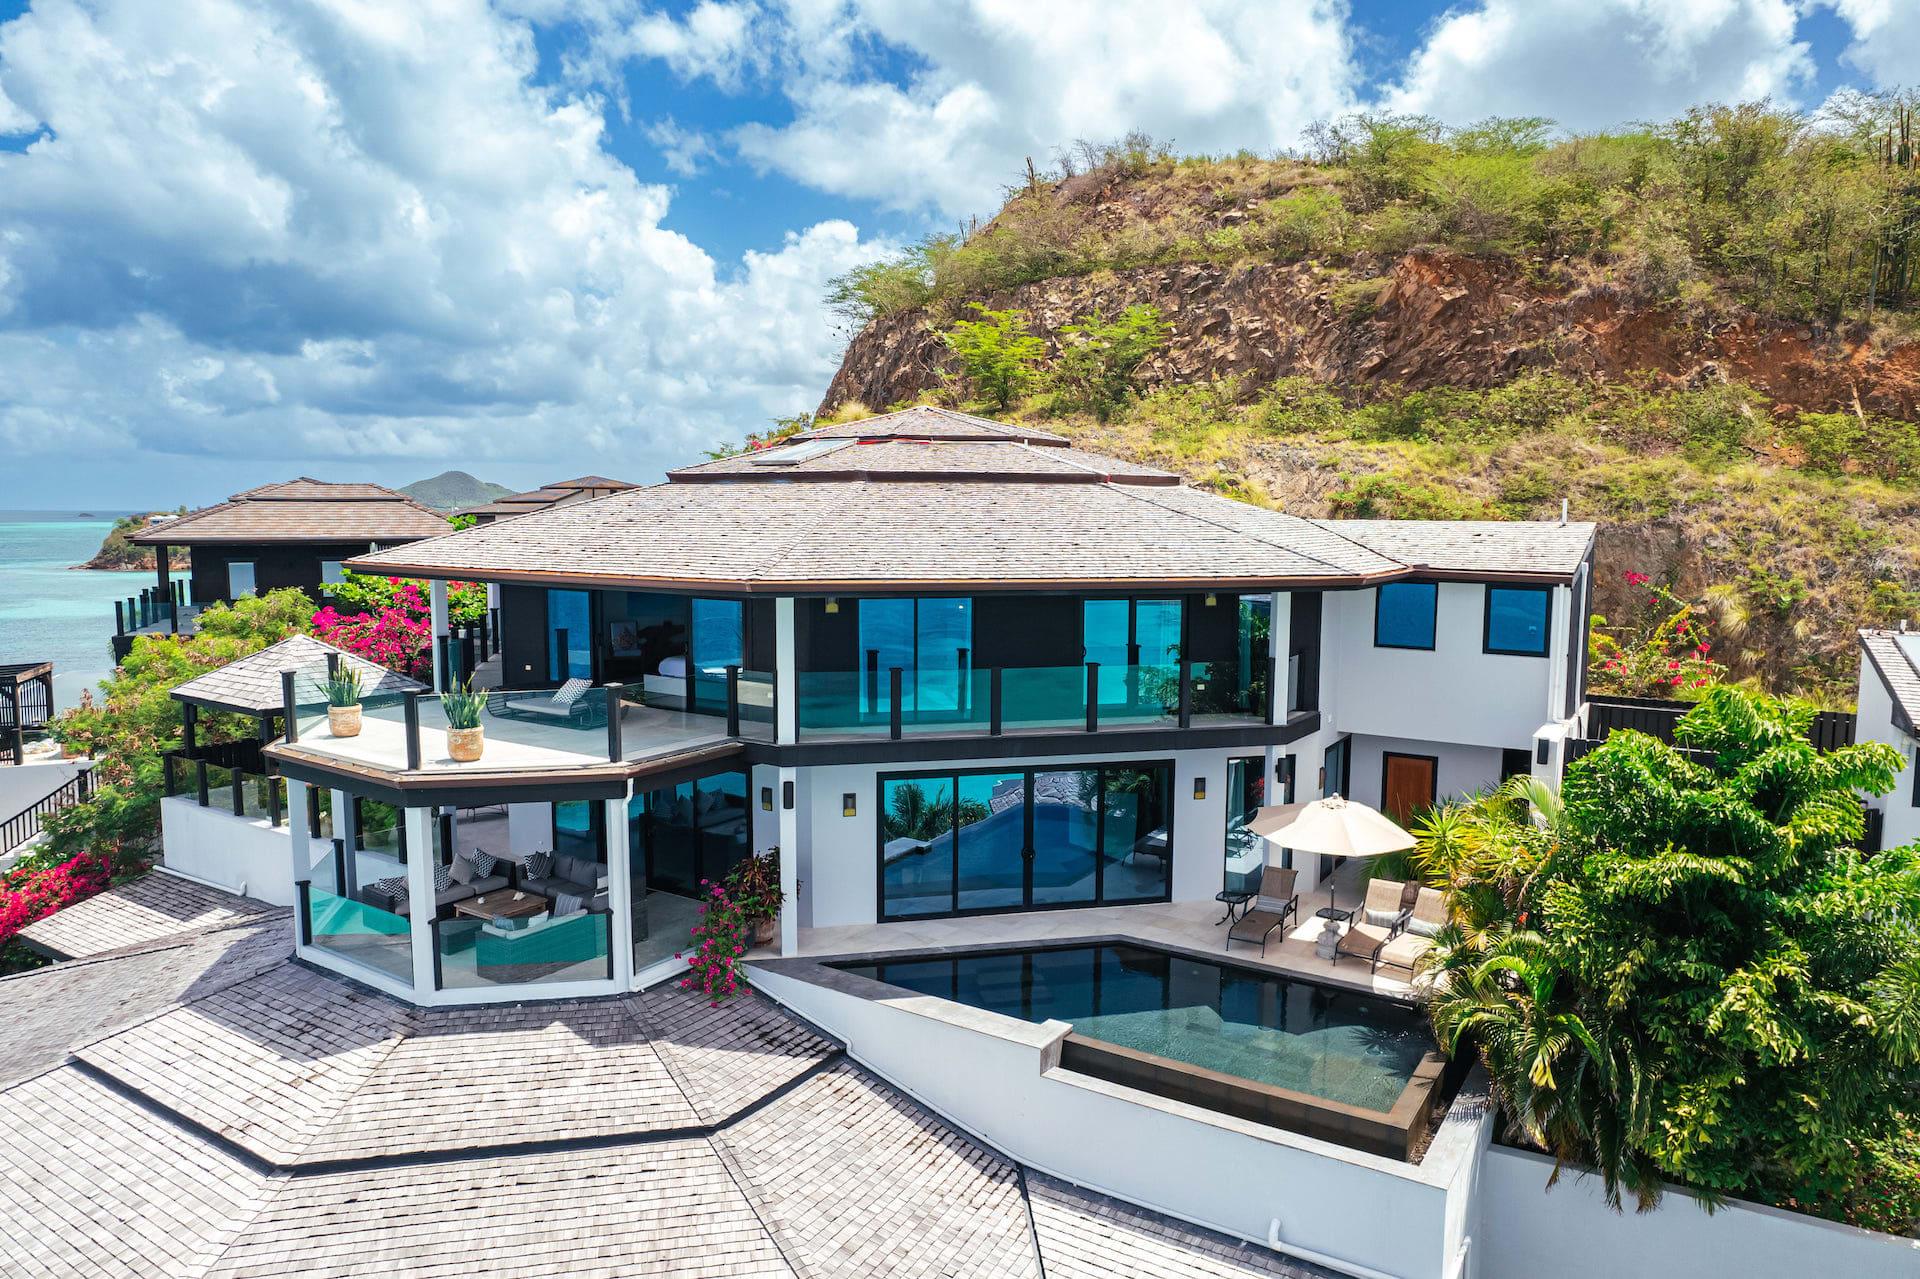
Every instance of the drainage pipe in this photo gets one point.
(1345, 1267)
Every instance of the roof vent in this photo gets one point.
(792, 453)
(1564, 503)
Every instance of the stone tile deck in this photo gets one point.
(151, 908)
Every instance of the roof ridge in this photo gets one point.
(1140, 492)
(1324, 526)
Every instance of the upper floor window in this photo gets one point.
(1517, 620)
(331, 574)
(1403, 614)
(240, 579)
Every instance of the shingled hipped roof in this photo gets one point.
(251, 685)
(1490, 547)
(925, 422)
(1895, 657)
(958, 460)
(574, 490)
(302, 510)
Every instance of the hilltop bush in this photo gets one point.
(999, 356)
(1098, 358)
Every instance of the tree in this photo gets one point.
(998, 356)
(1693, 974)
(1098, 357)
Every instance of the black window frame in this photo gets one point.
(1379, 594)
(1546, 621)
(1028, 771)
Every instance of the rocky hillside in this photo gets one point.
(1742, 429)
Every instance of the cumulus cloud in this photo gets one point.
(1592, 64)
(1886, 39)
(329, 228)
(686, 151)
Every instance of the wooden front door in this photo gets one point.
(1407, 785)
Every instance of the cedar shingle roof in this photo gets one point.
(1895, 657)
(251, 684)
(1474, 546)
(924, 422)
(302, 510)
(154, 906)
(546, 495)
(905, 534)
(590, 482)
(958, 460)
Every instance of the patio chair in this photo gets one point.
(569, 704)
(1272, 907)
(1429, 917)
(1380, 920)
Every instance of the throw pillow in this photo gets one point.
(1382, 918)
(1274, 905)
(462, 870)
(1423, 927)
(570, 692)
(483, 863)
(568, 904)
(395, 889)
(442, 878)
(536, 866)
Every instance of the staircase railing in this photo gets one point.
(23, 825)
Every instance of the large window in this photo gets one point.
(990, 840)
(931, 641)
(1246, 795)
(1517, 620)
(1403, 615)
(240, 580)
(570, 635)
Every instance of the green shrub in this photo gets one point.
(998, 356)
(1098, 358)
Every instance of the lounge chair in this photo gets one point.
(1379, 921)
(572, 703)
(1272, 907)
(1429, 917)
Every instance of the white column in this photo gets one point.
(349, 841)
(1279, 633)
(1561, 625)
(786, 800)
(420, 864)
(437, 607)
(620, 890)
(786, 673)
(300, 850)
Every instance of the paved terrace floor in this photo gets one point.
(203, 1106)
(1193, 925)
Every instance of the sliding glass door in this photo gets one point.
(996, 840)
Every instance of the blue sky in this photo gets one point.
(243, 239)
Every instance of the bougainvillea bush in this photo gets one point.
(34, 893)
(372, 592)
(1663, 647)
(724, 931)
(389, 621)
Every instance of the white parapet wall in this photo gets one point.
(240, 854)
(1526, 1230)
(998, 1078)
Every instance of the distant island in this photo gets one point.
(117, 552)
(454, 491)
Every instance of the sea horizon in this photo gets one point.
(52, 609)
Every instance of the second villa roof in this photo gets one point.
(880, 506)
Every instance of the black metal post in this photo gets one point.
(313, 811)
(467, 658)
(873, 680)
(964, 694)
(239, 780)
(433, 928)
(275, 811)
(1186, 694)
(189, 727)
(166, 773)
(484, 654)
(303, 889)
(733, 701)
(339, 866)
(494, 613)
(565, 655)
(119, 618)
(993, 701)
(614, 748)
(200, 769)
(1093, 697)
(413, 731)
(288, 707)
(607, 937)
(893, 701)
(133, 613)
(446, 674)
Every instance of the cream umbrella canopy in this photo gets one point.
(1331, 827)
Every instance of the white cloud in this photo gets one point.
(340, 228)
(1592, 64)
(991, 83)
(686, 151)
(1886, 39)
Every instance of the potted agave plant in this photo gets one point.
(465, 737)
(343, 701)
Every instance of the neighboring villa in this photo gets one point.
(1005, 709)
(1889, 709)
(295, 533)
(578, 489)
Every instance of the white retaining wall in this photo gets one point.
(241, 854)
(1526, 1231)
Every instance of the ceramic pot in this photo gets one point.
(763, 932)
(344, 721)
(464, 744)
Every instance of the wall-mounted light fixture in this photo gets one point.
(846, 805)
(833, 605)
(786, 794)
(1199, 788)
(1212, 599)
(766, 799)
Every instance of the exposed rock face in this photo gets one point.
(1422, 320)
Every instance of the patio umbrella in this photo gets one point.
(1332, 827)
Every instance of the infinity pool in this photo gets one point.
(1341, 1046)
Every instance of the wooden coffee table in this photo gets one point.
(502, 903)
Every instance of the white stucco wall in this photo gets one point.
(838, 858)
(1455, 693)
(1526, 1230)
(1874, 723)
(241, 854)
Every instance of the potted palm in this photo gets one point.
(343, 701)
(465, 737)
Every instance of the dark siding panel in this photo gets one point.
(759, 654)
(1027, 630)
(523, 636)
(1304, 639)
(1213, 634)
(274, 567)
(826, 640)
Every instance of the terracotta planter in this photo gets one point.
(464, 744)
(344, 721)
(763, 932)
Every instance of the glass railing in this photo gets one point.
(348, 916)
(1228, 691)
(952, 702)
(844, 704)
(1043, 697)
(533, 949)
(756, 693)
(1139, 696)
(262, 797)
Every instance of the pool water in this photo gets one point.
(1338, 1045)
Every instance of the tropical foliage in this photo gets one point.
(358, 593)
(1098, 357)
(999, 357)
(1686, 971)
(723, 933)
(1663, 648)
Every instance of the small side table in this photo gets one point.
(1235, 899)
(1334, 913)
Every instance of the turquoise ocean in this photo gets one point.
(51, 612)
